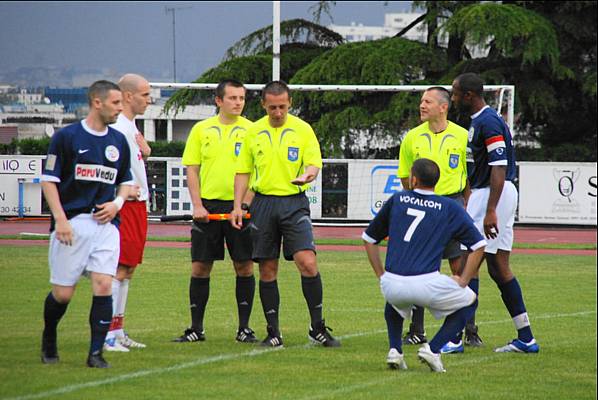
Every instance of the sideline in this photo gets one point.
(254, 353)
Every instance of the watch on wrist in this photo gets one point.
(244, 206)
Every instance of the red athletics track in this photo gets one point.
(522, 235)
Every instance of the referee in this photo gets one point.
(283, 154)
(444, 142)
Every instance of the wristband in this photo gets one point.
(119, 201)
(245, 207)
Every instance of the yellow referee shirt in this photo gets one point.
(446, 148)
(215, 148)
(276, 156)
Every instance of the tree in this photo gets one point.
(546, 49)
(250, 60)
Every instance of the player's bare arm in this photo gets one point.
(63, 228)
(308, 176)
(146, 150)
(108, 210)
(497, 181)
(373, 252)
(241, 185)
(200, 214)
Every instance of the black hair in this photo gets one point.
(426, 171)
(276, 88)
(470, 82)
(100, 89)
(221, 88)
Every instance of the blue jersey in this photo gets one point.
(490, 144)
(419, 224)
(87, 166)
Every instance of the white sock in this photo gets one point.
(121, 305)
(116, 285)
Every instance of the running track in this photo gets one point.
(522, 235)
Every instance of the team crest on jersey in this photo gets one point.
(237, 148)
(293, 154)
(470, 133)
(454, 161)
(112, 153)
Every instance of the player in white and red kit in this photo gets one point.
(133, 227)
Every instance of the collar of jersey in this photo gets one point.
(424, 192)
(91, 131)
(479, 112)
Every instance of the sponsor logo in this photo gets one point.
(384, 182)
(83, 151)
(566, 180)
(470, 133)
(293, 154)
(454, 161)
(51, 162)
(95, 173)
(112, 153)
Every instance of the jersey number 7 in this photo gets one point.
(419, 215)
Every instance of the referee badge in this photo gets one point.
(293, 154)
(454, 161)
(237, 148)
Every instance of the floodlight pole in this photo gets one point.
(276, 40)
(173, 11)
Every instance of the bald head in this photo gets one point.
(130, 82)
(136, 94)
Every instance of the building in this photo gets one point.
(35, 115)
(393, 24)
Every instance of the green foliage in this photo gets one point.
(513, 30)
(291, 31)
(27, 146)
(341, 118)
(9, 148)
(167, 149)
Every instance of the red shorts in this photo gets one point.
(133, 232)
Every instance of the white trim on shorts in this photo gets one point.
(505, 212)
(95, 248)
(438, 292)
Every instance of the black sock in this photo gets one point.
(100, 317)
(312, 291)
(199, 293)
(245, 291)
(270, 298)
(53, 312)
(417, 321)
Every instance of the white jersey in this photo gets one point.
(129, 129)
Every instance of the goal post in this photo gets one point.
(346, 190)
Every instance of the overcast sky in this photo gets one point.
(137, 36)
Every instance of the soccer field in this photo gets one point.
(560, 294)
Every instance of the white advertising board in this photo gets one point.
(371, 183)
(25, 170)
(178, 201)
(557, 193)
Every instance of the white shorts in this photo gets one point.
(505, 212)
(95, 248)
(435, 291)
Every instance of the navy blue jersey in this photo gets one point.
(87, 167)
(418, 225)
(490, 144)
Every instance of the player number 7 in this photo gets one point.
(419, 215)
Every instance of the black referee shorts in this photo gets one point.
(208, 239)
(280, 220)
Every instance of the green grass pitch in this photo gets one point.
(560, 294)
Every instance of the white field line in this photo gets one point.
(258, 352)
